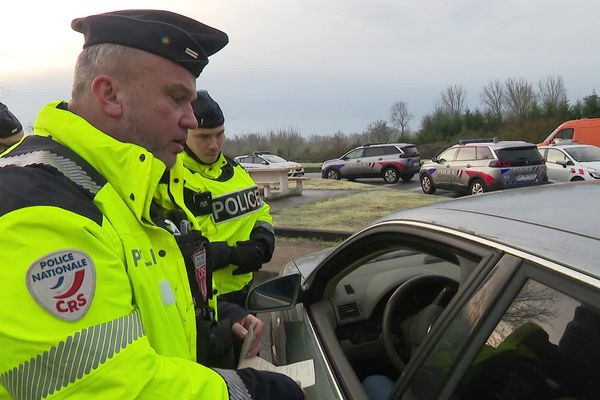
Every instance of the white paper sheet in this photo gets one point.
(302, 371)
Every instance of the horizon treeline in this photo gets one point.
(510, 110)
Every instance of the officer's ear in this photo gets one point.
(105, 89)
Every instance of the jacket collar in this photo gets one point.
(130, 169)
(212, 171)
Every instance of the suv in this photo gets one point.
(391, 162)
(480, 165)
(571, 162)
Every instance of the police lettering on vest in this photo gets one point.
(236, 204)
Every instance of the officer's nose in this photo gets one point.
(188, 120)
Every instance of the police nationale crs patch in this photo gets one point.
(63, 283)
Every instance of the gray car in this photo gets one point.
(472, 298)
(482, 165)
(391, 162)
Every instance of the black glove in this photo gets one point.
(266, 385)
(217, 255)
(248, 255)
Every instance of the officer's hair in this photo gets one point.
(106, 58)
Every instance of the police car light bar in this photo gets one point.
(479, 140)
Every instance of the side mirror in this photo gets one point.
(562, 162)
(279, 293)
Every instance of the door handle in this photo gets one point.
(468, 165)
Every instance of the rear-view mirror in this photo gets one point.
(279, 293)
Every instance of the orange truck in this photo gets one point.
(581, 131)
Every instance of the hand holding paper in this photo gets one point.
(303, 371)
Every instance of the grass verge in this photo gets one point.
(351, 211)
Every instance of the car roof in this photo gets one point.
(565, 146)
(502, 144)
(540, 220)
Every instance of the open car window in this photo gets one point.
(350, 304)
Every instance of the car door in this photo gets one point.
(463, 167)
(339, 321)
(373, 159)
(527, 330)
(353, 164)
(557, 166)
(442, 174)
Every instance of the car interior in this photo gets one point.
(379, 306)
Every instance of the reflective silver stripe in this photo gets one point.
(67, 167)
(70, 360)
(236, 388)
(264, 224)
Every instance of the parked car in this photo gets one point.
(581, 131)
(571, 162)
(473, 298)
(480, 165)
(391, 162)
(265, 159)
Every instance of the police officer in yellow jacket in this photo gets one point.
(227, 205)
(97, 302)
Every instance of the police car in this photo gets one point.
(571, 162)
(266, 159)
(391, 162)
(480, 165)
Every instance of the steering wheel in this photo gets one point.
(412, 330)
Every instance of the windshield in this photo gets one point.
(584, 153)
(273, 158)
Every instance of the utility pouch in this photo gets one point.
(214, 347)
(199, 203)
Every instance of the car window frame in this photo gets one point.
(439, 157)
(480, 150)
(345, 156)
(466, 149)
(322, 283)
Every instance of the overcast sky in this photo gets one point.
(320, 66)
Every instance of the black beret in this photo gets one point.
(9, 124)
(207, 111)
(180, 39)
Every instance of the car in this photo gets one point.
(471, 298)
(265, 159)
(476, 166)
(391, 162)
(571, 162)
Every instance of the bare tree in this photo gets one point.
(493, 97)
(400, 116)
(520, 97)
(287, 142)
(378, 131)
(552, 92)
(453, 99)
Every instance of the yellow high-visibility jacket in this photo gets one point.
(96, 297)
(236, 211)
